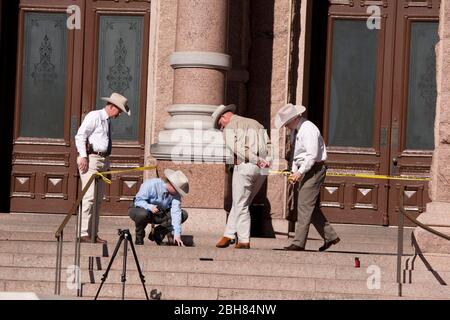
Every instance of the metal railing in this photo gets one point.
(401, 221)
(59, 235)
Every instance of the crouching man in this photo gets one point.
(159, 202)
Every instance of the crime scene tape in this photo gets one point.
(359, 175)
(282, 172)
(108, 181)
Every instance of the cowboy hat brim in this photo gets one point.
(125, 109)
(281, 123)
(220, 111)
(169, 175)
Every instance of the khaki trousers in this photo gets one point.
(308, 207)
(247, 180)
(96, 164)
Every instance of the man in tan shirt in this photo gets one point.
(250, 145)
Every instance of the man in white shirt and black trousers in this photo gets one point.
(308, 173)
(94, 145)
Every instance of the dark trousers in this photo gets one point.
(142, 218)
(308, 208)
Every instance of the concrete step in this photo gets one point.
(216, 220)
(274, 267)
(201, 240)
(135, 291)
(152, 250)
(8, 232)
(49, 260)
(211, 287)
(193, 224)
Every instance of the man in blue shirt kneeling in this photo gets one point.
(159, 202)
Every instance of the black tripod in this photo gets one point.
(125, 234)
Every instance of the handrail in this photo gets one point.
(401, 215)
(419, 224)
(60, 233)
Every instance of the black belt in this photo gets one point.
(101, 154)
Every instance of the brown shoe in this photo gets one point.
(326, 245)
(223, 242)
(241, 245)
(100, 240)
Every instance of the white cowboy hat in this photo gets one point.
(220, 111)
(178, 180)
(287, 113)
(119, 101)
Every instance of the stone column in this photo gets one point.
(437, 213)
(200, 63)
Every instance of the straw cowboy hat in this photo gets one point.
(220, 111)
(178, 180)
(287, 113)
(119, 101)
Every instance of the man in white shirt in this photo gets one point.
(308, 173)
(93, 141)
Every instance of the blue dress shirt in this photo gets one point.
(153, 192)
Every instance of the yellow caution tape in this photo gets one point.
(282, 172)
(359, 175)
(103, 174)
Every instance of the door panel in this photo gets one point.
(43, 162)
(379, 108)
(414, 103)
(116, 55)
(57, 86)
(354, 120)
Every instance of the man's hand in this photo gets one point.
(263, 163)
(178, 241)
(155, 209)
(83, 164)
(295, 177)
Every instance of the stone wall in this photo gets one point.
(437, 213)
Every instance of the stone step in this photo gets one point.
(152, 250)
(315, 259)
(262, 243)
(216, 220)
(196, 215)
(218, 288)
(135, 291)
(190, 266)
(29, 233)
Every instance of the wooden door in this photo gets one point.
(414, 102)
(379, 107)
(44, 173)
(357, 111)
(116, 60)
(62, 74)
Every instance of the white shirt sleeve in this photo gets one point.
(310, 141)
(85, 130)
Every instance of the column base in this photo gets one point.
(207, 183)
(437, 216)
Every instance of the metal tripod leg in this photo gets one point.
(123, 277)
(105, 275)
(141, 275)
